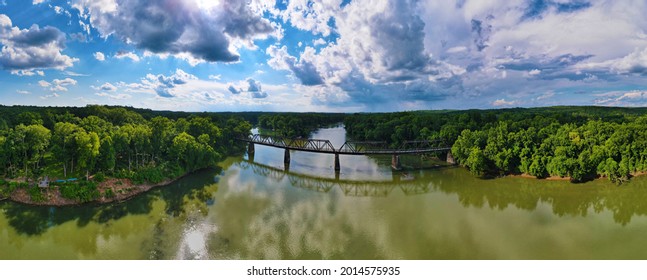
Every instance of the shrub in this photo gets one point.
(99, 177)
(149, 174)
(109, 193)
(81, 191)
(36, 194)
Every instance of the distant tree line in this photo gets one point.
(293, 125)
(581, 143)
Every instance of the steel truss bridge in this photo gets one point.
(347, 187)
(348, 148)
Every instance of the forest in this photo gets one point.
(100, 142)
(579, 143)
(143, 145)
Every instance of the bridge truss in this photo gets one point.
(349, 147)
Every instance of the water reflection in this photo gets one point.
(565, 198)
(35, 220)
(402, 180)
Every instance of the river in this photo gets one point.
(255, 210)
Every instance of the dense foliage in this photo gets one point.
(576, 142)
(115, 141)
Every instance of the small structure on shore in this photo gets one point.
(44, 183)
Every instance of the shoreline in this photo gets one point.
(557, 178)
(123, 190)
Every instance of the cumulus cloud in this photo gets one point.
(304, 70)
(379, 52)
(206, 33)
(423, 52)
(27, 72)
(124, 54)
(163, 85)
(106, 87)
(634, 98)
(57, 85)
(255, 89)
(313, 16)
(233, 89)
(23, 92)
(633, 63)
(35, 2)
(33, 48)
(319, 42)
(504, 103)
(99, 56)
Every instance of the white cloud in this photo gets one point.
(457, 49)
(24, 92)
(164, 86)
(634, 98)
(132, 56)
(304, 70)
(215, 77)
(35, 2)
(120, 96)
(504, 103)
(27, 72)
(99, 56)
(84, 26)
(534, 72)
(205, 33)
(105, 87)
(33, 48)
(53, 95)
(313, 16)
(58, 85)
(319, 42)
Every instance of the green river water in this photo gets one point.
(256, 210)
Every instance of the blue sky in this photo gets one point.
(327, 55)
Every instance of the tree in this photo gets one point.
(476, 162)
(97, 125)
(107, 155)
(88, 146)
(162, 133)
(65, 145)
(37, 138)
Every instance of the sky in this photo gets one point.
(326, 55)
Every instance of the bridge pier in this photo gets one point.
(286, 157)
(250, 151)
(450, 158)
(250, 148)
(337, 165)
(395, 162)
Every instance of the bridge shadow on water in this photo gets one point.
(35, 220)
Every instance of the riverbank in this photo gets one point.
(557, 178)
(112, 190)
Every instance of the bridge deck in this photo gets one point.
(349, 148)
